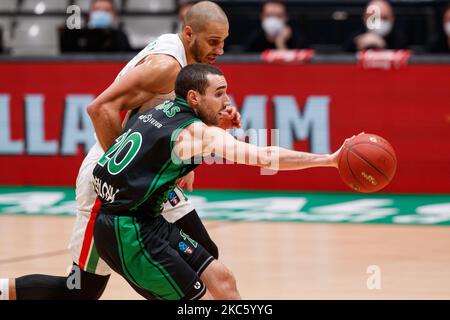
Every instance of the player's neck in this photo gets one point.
(189, 58)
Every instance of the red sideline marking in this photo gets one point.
(88, 236)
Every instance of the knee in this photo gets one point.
(228, 282)
(228, 276)
(220, 281)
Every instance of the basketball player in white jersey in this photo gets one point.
(146, 81)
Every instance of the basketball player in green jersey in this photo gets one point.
(136, 174)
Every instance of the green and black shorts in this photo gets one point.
(156, 258)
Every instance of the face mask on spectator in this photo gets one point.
(272, 26)
(383, 28)
(101, 20)
(447, 29)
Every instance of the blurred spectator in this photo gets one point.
(441, 42)
(102, 33)
(183, 8)
(274, 32)
(379, 29)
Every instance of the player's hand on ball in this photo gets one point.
(367, 162)
(335, 155)
(230, 118)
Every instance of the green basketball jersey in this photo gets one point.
(138, 171)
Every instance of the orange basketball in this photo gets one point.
(367, 163)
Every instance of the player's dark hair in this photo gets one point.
(193, 77)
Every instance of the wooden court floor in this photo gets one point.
(272, 260)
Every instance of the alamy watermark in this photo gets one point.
(73, 21)
(374, 279)
(373, 17)
(74, 279)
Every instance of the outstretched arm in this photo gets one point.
(198, 138)
(225, 145)
(153, 77)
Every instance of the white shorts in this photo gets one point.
(81, 246)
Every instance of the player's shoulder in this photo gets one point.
(160, 61)
(169, 38)
(161, 68)
(169, 44)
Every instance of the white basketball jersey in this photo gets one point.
(169, 44)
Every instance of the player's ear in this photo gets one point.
(193, 98)
(188, 33)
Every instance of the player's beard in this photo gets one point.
(208, 117)
(196, 52)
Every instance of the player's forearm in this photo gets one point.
(107, 123)
(276, 158)
(284, 159)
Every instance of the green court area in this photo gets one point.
(416, 209)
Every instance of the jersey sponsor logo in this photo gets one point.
(187, 238)
(173, 198)
(169, 108)
(184, 247)
(104, 190)
(148, 118)
(197, 285)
